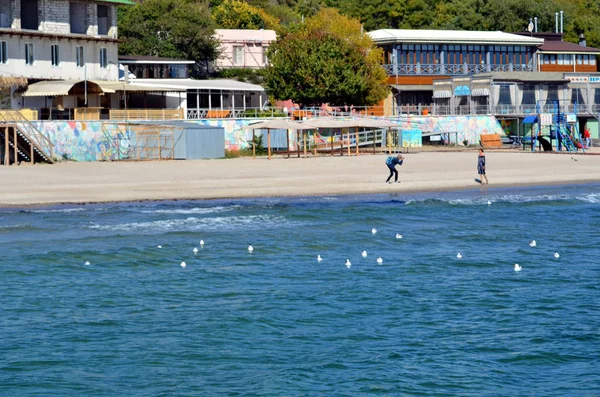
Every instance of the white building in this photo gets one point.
(59, 39)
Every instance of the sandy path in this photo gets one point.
(244, 177)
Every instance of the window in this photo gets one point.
(103, 20)
(238, 55)
(3, 52)
(579, 60)
(79, 56)
(561, 60)
(592, 59)
(29, 58)
(103, 58)
(528, 95)
(29, 14)
(55, 55)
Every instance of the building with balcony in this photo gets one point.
(415, 58)
(556, 55)
(243, 48)
(514, 96)
(60, 40)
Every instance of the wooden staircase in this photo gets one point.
(21, 142)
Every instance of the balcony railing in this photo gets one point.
(452, 69)
(507, 110)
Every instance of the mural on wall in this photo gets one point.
(456, 128)
(86, 140)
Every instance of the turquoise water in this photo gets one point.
(276, 322)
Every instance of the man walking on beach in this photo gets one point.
(481, 167)
(391, 163)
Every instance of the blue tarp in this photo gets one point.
(530, 120)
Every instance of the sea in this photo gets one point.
(94, 300)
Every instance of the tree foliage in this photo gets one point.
(168, 28)
(237, 14)
(326, 59)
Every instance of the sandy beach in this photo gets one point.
(244, 177)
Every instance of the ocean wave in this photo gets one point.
(191, 211)
(78, 209)
(194, 224)
(508, 199)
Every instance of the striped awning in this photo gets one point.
(442, 94)
(480, 92)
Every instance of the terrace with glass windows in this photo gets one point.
(452, 52)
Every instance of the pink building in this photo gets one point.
(243, 48)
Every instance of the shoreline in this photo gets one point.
(425, 172)
(340, 195)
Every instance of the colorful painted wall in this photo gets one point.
(101, 141)
(85, 140)
(460, 127)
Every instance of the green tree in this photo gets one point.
(169, 28)
(236, 14)
(327, 59)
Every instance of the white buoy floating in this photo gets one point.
(398, 236)
(459, 255)
(195, 250)
(87, 263)
(489, 202)
(201, 243)
(379, 261)
(348, 263)
(373, 231)
(250, 248)
(183, 264)
(319, 259)
(518, 267)
(556, 255)
(363, 254)
(532, 243)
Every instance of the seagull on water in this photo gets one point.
(379, 261)
(556, 255)
(319, 259)
(489, 202)
(532, 243)
(250, 248)
(398, 236)
(201, 243)
(159, 246)
(348, 264)
(87, 263)
(363, 254)
(183, 264)
(459, 255)
(374, 231)
(195, 250)
(518, 267)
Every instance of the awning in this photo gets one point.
(442, 94)
(50, 88)
(119, 86)
(413, 87)
(480, 92)
(530, 120)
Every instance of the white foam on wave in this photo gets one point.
(78, 209)
(194, 224)
(508, 199)
(192, 211)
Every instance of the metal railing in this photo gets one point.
(527, 109)
(37, 139)
(453, 69)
